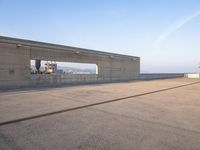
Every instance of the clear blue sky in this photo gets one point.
(165, 34)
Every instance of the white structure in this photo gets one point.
(192, 75)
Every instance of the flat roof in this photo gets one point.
(158, 114)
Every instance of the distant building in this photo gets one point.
(79, 72)
(51, 67)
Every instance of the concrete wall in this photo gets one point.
(16, 55)
(152, 76)
(63, 79)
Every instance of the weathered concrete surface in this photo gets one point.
(16, 55)
(167, 120)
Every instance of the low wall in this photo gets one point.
(153, 76)
(192, 75)
(68, 79)
(61, 79)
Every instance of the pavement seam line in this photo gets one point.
(90, 105)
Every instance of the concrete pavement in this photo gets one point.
(163, 120)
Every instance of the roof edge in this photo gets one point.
(6, 39)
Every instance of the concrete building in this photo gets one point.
(50, 67)
(15, 56)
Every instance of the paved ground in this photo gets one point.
(163, 120)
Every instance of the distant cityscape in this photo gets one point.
(70, 70)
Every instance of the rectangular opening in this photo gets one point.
(55, 67)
